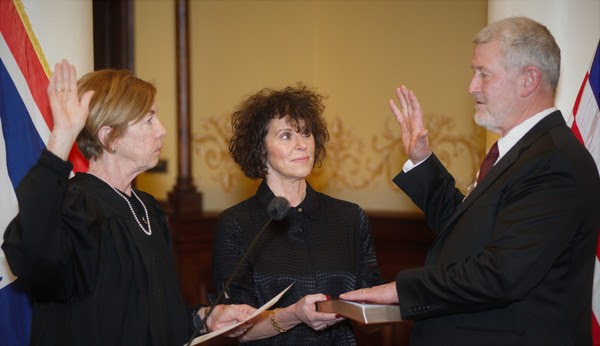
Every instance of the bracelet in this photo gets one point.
(275, 324)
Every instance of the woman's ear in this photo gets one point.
(103, 136)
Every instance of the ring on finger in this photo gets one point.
(58, 90)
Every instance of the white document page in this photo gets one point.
(212, 334)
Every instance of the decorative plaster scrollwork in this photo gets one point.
(212, 148)
(454, 148)
(346, 165)
(350, 164)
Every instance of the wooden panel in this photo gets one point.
(113, 34)
(401, 242)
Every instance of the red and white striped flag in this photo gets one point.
(586, 127)
(25, 124)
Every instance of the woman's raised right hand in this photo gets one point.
(69, 112)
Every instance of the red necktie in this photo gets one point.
(488, 162)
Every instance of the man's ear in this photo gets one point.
(531, 78)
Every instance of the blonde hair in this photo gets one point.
(120, 98)
(525, 42)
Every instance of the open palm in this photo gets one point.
(410, 118)
(69, 112)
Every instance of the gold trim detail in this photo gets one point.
(34, 42)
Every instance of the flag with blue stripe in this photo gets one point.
(25, 123)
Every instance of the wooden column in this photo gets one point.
(113, 34)
(184, 201)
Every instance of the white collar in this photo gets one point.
(508, 141)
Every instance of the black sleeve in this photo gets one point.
(39, 241)
(229, 247)
(368, 269)
(432, 188)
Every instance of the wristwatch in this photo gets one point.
(198, 322)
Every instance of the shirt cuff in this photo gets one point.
(408, 165)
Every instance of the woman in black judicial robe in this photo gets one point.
(95, 253)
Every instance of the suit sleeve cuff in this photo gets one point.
(55, 163)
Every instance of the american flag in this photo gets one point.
(25, 124)
(586, 127)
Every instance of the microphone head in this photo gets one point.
(278, 208)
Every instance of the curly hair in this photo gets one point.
(119, 99)
(250, 124)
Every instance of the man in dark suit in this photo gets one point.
(512, 262)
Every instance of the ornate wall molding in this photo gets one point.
(351, 164)
(211, 147)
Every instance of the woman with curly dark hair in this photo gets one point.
(324, 245)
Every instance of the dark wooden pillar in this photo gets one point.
(113, 34)
(184, 201)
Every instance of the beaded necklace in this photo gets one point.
(149, 231)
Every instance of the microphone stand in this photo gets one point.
(275, 212)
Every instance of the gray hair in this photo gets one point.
(525, 42)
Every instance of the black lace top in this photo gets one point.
(323, 246)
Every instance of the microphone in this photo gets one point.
(277, 210)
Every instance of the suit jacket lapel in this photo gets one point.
(552, 120)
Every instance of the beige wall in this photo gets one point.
(354, 51)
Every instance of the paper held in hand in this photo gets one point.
(364, 313)
(212, 334)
